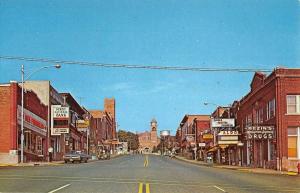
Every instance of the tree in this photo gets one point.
(129, 137)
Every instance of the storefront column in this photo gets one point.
(248, 153)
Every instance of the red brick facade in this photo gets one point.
(269, 153)
(149, 140)
(35, 119)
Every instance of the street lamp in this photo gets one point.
(22, 103)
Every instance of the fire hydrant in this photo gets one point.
(298, 166)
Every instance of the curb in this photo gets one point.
(249, 170)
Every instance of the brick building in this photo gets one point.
(49, 96)
(200, 127)
(190, 133)
(35, 125)
(103, 128)
(269, 119)
(149, 140)
(75, 139)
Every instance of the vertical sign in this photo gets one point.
(59, 119)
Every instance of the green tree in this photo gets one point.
(129, 137)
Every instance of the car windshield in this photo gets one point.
(149, 96)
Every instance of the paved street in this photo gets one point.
(138, 174)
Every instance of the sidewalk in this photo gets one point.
(239, 168)
(33, 164)
(53, 163)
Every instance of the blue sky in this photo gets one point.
(229, 34)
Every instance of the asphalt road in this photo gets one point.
(140, 174)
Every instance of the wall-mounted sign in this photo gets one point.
(215, 122)
(59, 120)
(32, 121)
(227, 142)
(260, 132)
(228, 138)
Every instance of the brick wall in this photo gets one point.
(5, 106)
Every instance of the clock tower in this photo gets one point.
(153, 132)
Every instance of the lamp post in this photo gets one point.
(22, 103)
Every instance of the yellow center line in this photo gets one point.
(146, 161)
(141, 188)
(147, 188)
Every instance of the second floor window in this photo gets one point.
(293, 104)
(271, 109)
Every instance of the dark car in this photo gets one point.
(76, 156)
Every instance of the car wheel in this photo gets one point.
(66, 161)
(86, 161)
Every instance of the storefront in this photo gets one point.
(35, 135)
(229, 147)
(260, 146)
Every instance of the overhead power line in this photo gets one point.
(131, 66)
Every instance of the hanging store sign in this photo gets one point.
(260, 132)
(208, 136)
(202, 144)
(82, 125)
(59, 120)
(222, 122)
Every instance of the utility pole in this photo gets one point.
(22, 116)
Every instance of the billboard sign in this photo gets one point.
(216, 122)
(59, 119)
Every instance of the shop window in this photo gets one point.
(294, 143)
(39, 145)
(293, 104)
(27, 140)
(271, 109)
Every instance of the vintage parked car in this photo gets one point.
(76, 156)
